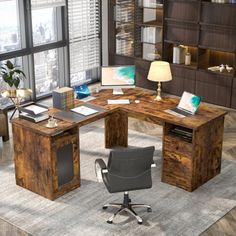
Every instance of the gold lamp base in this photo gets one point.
(158, 97)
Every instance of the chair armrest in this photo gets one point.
(100, 169)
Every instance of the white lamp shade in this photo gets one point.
(160, 71)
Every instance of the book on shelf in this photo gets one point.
(151, 35)
(182, 132)
(151, 3)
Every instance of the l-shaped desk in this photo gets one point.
(47, 161)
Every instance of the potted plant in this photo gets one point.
(11, 75)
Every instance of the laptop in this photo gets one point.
(187, 106)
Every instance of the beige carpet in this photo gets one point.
(175, 211)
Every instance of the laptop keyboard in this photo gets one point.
(181, 112)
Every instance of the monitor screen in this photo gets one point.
(118, 76)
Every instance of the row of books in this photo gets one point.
(182, 132)
(63, 98)
(150, 3)
(151, 35)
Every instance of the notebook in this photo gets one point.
(187, 106)
(84, 110)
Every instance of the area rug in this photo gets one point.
(175, 211)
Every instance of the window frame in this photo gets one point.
(28, 49)
(27, 52)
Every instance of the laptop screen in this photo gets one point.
(189, 102)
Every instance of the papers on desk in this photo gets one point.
(34, 118)
(83, 110)
(33, 109)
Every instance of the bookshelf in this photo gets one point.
(205, 29)
(136, 35)
(208, 30)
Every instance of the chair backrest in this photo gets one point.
(129, 169)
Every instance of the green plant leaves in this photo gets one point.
(9, 65)
(19, 72)
(16, 82)
(11, 75)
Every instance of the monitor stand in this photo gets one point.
(117, 91)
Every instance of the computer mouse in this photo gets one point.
(137, 101)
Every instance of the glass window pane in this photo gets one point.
(44, 23)
(46, 71)
(9, 26)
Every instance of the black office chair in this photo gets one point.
(127, 169)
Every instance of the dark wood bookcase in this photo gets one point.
(131, 22)
(205, 28)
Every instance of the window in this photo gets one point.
(44, 28)
(9, 27)
(47, 38)
(35, 33)
(84, 40)
(46, 71)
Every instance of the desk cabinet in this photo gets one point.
(190, 163)
(47, 165)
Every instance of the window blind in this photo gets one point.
(38, 4)
(84, 30)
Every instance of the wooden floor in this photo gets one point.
(226, 226)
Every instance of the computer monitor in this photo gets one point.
(118, 77)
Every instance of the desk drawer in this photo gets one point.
(177, 170)
(178, 145)
(177, 166)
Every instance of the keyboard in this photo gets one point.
(87, 99)
(181, 112)
(117, 101)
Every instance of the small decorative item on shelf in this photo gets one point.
(160, 72)
(221, 68)
(220, 1)
(228, 68)
(179, 54)
(187, 59)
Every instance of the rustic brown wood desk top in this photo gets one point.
(153, 110)
(148, 109)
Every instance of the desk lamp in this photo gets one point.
(159, 71)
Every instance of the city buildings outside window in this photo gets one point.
(33, 35)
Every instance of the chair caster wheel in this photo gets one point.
(104, 207)
(149, 209)
(140, 222)
(109, 221)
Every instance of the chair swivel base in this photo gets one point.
(128, 207)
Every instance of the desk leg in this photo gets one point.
(116, 129)
(6, 136)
